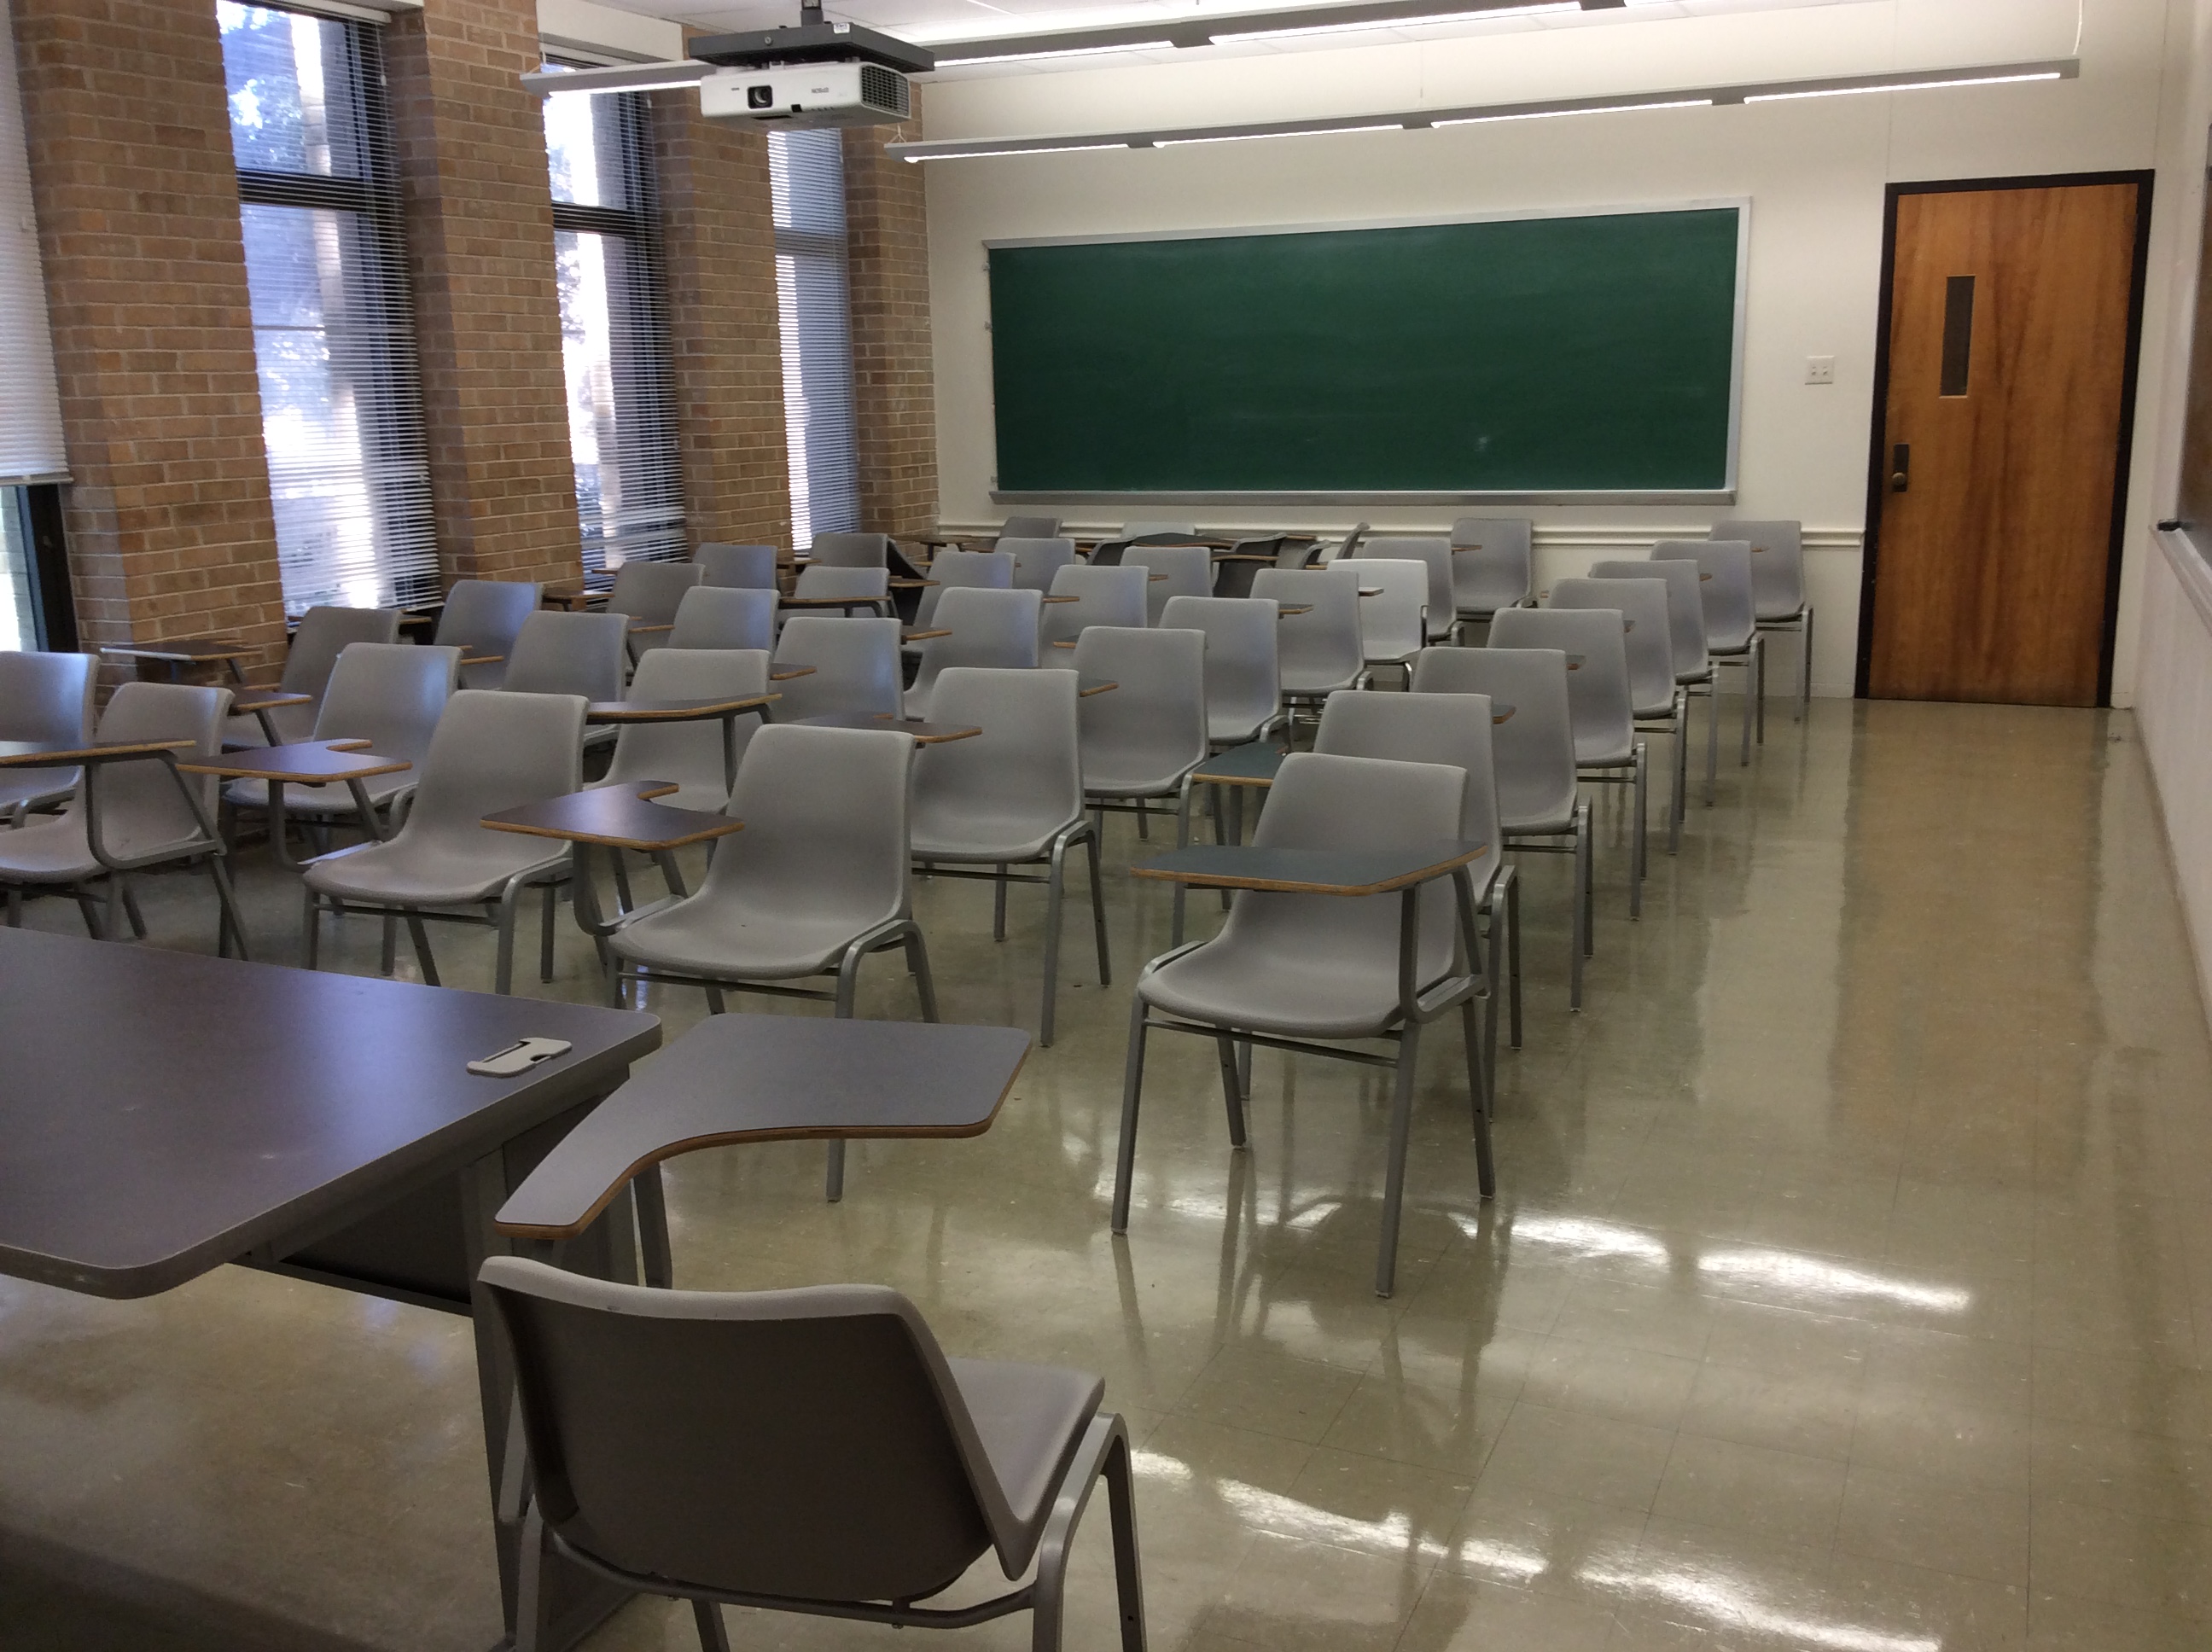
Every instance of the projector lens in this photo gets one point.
(760, 97)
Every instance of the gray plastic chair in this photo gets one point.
(850, 550)
(994, 630)
(1606, 708)
(1187, 571)
(1430, 726)
(649, 593)
(1243, 679)
(1104, 595)
(724, 616)
(1319, 651)
(132, 814)
(1031, 527)
(1432, 552)
(1778, 584)
(853, 667)
(953, 570)
(47, 698)
(389, 694)
(816, 882)
(1347, 546)
(1493, 565)
(1685, 628)
(584, 654)
(1142, 739)
(484, 616)
(744, 567)
(1540, 805)
(861, 587)
(1660, 704)
(1012, 796)
(1732, 635)
(809, 1450)
(1135, 531)
(689, 755)
(1036, 561)
(491, 752)
(1287, 970)
(321, 635)
(1393, 622)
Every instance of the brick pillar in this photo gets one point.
(894, 391)
(479, 223)
(170, 529)
(718, 242)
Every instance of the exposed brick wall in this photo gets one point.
(718, 239)
(894, 395)
(169, 525)
(479, 222)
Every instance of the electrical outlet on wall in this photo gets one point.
(1819, 369)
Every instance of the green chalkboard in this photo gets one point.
(1593, 354)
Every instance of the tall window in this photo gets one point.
(19, 621)
(333, 334)
(806, 172)
(614, 332)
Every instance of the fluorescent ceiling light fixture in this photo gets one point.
(1902, 86)
(1589, 109)
(1060, 51)
(1429, 21)
(1298, 131)
(1056, 148)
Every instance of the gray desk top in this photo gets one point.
(1310, 871)
(1253, 763)
(163, 1113)
(770, 1077)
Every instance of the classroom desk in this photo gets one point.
(166, 1113)
(616, 817)
(226, 652)
(726, 712)
(310, 763)
(923, 733)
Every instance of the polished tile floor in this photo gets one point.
(1849, 1288)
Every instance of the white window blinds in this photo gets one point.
(806, 172)
(333, 329)
(30, 406)
(614, 333)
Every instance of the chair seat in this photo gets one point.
(405, 874)
(1737, 643)
(331, 797)
(1294, 681)
(1029, 1419)
(1600, 750)
(1662, 711)
(1537, 826)
(1228, 731)
(730, 941)
(981, 837)
(1105, 783)
(1310, 997)
(34, 788)
(56, 851)
(1783, 616)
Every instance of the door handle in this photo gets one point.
(1901, 467)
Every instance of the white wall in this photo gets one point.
(1814, 170)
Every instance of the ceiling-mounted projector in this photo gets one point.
(812, 74)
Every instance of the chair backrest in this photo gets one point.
(1777, 562)
(725, 616)
(1686, 607)
(690, 754)
(1188, 570)
(569, 653)
(494, 751)
(856, 666)
(140, 807)
(748, 567)
(1532, 749)
(1427, 727)
(390, 694)
(1724, 589)
(985, 570)
(1323, 801)
(1319, 649)
(1135, 531)
(1347, 546)
(1031, 527)
(323, 634)
(1147, 733)
(850, 550)
(484, 616)
(1648, 637)
(46, 697)
(808, 1444)
(1492, 564)
(649, 592)
(1598, 704)
(825, 837)
(837, 579)
(1104, 595)
(990, 629)
(1036, 561)
(1243, 679)
(1393, 623)
(1434, 553)
(1023, 767)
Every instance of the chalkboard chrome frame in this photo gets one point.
(1724, 495)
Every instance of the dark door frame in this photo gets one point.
(1877, 446)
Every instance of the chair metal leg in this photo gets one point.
(1750, 700)
(311, 929)
(656, 1262)
(90, 912)
(547, 910)
(1128, 1573)
(137, 918)
(1232, 1087)
(388, 952)
(716, 1004)
(1484, 1104)
(624, 902)
(1758, 645)
(227, 905)
(503, 971)
(1513, 955)
(833, 1181)
(1494, 983)
(1054, 882)
(530, 1582)
(1394, 1184)
(1638, 849)
(421, 936)
(1805, 663)
(1143, 822)
(1713, 739)
(1133, 1082)
(917, 965)
(1182, 840)
(999, 907)
(114, 920)
(708, 1617)
(1680, 765)
(1098, 914)
(1576, 928)
(671, 873)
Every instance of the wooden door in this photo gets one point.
(2000, 452)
